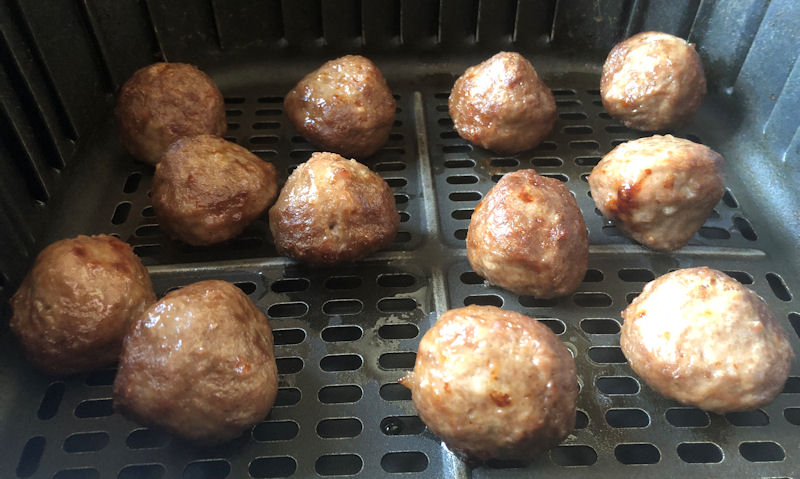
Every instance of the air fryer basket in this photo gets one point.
(344, 335)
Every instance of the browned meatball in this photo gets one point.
(345, 107)
(658, 190)
(652, 81)
(198, 363)
(333, 210)
(502, 105)
(166, 101)
(698, 336)
(207, 190)
(77, 301)
(528, 236)
(494, 384)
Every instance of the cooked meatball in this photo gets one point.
(658, 190)
(698, 336)
(502, 105)
(198, 363)
(528, 236)
(333, 210)
(77, 301)
(207, 190)
(494, 384)
(652, 81)
(345, 107)
(163, 102)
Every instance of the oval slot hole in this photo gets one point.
(147, 439)
(289, 365)
(339, 428)
(338, 464)
(86, 442)
(699, 452)
(617, 385)
(397, 305)
(637, 454)
(592, 300)
(395, 392)
(484, 300)
(292, 285)
(340, 362)
(287, 397)
(402, 425)
(762, 451)
(687, 417)
(606, 354)
(207, 469)
(627, 418)
(30, 457)
(398, 331)
(94, 408)
(600, 326)
(778, 287)
(343, 393)
(404, 360)
(288, 336)
(287, 310)
(342, 307)
(577, 455)
(396, 280)
(142, 471)
(334, 334)
(406, 461)
(281, 466)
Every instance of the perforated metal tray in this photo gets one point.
(344, 335)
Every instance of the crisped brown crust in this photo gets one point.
(528, 236)
(698, 336)
(198, 363)
(658, 190)
(494, 384)
(652, 81)
(333, 210)
(77, 301)
(163, 102)
(207, 190)
(345, 107)
(502, 105)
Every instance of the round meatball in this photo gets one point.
(494, 384)
(163, 102)
(658, 190)
(77, 302)
(652, 81)
(198, 363)
(698, 336)
(333, 210)
(345, 107)
(207, 190)
(528, 236)
(502, 105)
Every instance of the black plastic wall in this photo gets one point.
(63, 60)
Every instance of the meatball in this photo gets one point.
(333, 210)
(652, 81)
(77, 302)
(528, 236)
(698, 336)
(502, 105)
(199, 363)
(163, 102)
(207, 190)
(494, 384)
(658, 190)
(345, 107)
